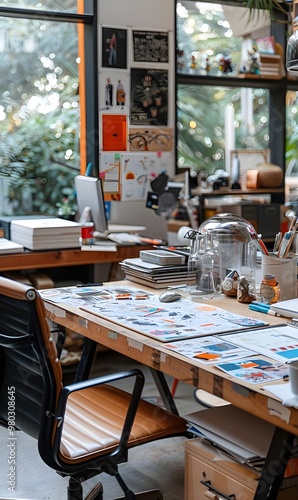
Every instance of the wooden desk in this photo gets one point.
(68, 257)
(253, 399)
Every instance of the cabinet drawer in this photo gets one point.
(197, 471)
(206, 463)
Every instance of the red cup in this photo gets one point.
(87, 233)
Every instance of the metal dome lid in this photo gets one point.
(229, 225)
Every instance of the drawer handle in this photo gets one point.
(218, 494)
(211, 496)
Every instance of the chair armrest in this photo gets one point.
(105, 379)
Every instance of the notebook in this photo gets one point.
(287, 308)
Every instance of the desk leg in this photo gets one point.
(275, 463)
(164, 391)
(85, 363)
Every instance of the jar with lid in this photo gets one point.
(269, 289)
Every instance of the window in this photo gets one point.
(223, 90)
(45, 117)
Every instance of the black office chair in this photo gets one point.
(82, 429)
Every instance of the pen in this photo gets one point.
(88, 284)
(264, 310)
(154, 312)
(277, 242)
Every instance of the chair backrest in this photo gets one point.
(31, 375)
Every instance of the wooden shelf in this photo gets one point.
(235, 192)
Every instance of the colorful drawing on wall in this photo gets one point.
(149, 97)
(113, 90)
(150, 139)
(109, 172)
(114, 132)
(138, 170)
(114, 48)
(150, 46)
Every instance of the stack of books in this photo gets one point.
(45, 234)
(156, 275)
(7, 246)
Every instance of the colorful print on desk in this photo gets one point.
(171, 321)
(255, 371)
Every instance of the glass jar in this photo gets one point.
(269, 289)
(204, 268)
(235, 238)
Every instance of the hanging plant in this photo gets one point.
(272, 6)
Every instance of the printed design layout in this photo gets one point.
(280, 342)
(255, 371)
(138, 170)
(114, 48)
(144, 139)
(211, 349)
(149, 97)
(169, 322)
(150, 46)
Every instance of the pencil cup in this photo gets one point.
(294, 376)
(285, 271)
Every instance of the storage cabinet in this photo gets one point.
(209, 475)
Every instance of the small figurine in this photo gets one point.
(225, 64)
(109, 93)
(244, 295)
(205, 64)
(255, 62)
(120, 94)
(230, 284)
(193, 63)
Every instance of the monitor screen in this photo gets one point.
(90, 194)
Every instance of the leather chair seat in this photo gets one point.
(104, 416)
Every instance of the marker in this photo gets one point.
(260, 304)
(264, 310)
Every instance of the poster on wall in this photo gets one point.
(114, 132)
(114, 90)
(114, 48)
(109, 172)
(138, 170)
(150, 46)
(150, 139)
(149, 97)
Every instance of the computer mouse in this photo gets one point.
(169, 296)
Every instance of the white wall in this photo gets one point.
(153, 14)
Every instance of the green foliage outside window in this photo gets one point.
(39, 114)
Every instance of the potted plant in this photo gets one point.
(67, 208)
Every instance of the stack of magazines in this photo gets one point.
(156, 275)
